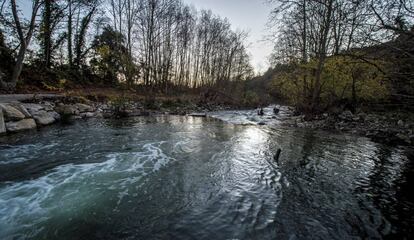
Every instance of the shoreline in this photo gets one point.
(40, 110)
(388, 128)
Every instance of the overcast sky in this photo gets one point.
(250, 15)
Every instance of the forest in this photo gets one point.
(338, 51)
(326, 53)
(161, 45)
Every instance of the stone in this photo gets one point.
(44, 118)
(346, 115)
(400, 123)
(11, 113)
(32, 107)
(404, 138)
(22, 109)
(356, 119)
(2, 123)
(98, 114)
(84, 108)
(67, 110)
(48, 106)
(55, 115)
(25, 124)
(87, 115)
(198, 115)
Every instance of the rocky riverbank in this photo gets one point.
(16, 116)
(388, 128)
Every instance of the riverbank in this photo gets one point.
(392, 128)
(24, 112)
(30, 111)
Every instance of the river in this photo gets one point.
(178, 177)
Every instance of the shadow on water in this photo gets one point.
(167, 177)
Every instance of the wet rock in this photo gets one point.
(2, 123)
(261, 123)
(11, 113)
(22, 125)
(44, 118)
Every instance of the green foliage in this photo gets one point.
(343, 77)
(110, 51)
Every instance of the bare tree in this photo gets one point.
(24, 36)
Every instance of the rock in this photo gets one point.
(21, 125)
(67, 110)
(44, 118)
(107, 114)
(22, 109)
(261, 123)
(33, 108)
(346, 115)
(48, 106)
(88, 115)
(197, 115)
(98, 114)
(11, 113)
(400, 123)
(2, 123)
(55, 115)
(404, 138)
(84, 108)
(356, 119)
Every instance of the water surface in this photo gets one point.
(170, 177)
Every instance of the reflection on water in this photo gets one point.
(192, 178)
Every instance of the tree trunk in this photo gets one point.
(322, 56)
(17, 68)
(70, 53)
(47, 34)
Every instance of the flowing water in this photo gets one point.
(170, 177)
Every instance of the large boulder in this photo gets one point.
(21, 125)
(45, 118)
(11, 113)
(2, 123)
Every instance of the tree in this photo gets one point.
(24, 37)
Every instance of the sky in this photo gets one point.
(249, 15)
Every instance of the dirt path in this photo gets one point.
(5, 98)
